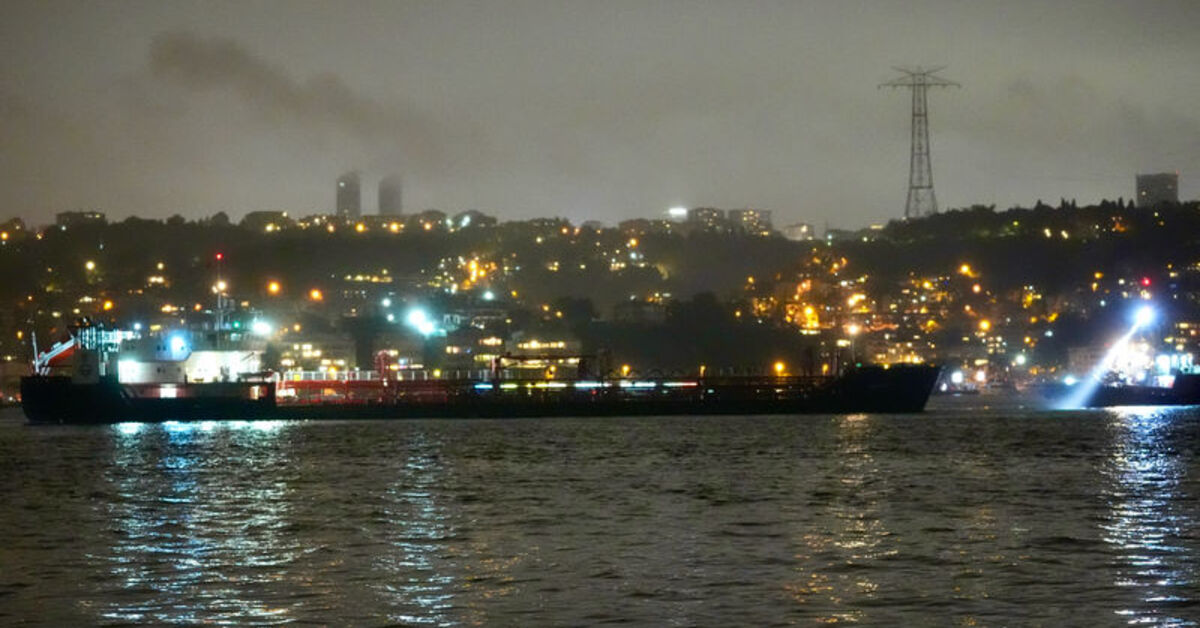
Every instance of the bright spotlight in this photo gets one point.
(260, 328)
(386, 302)
(419, 320)
(1145, 315)
(489, 295)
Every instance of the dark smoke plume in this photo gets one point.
(216, 64)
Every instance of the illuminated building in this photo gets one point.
(752, 221)
(643, 226)
(707, 219)
(799, 232)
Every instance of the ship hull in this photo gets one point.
(1184, 392)
(51, 399)
(868, 390)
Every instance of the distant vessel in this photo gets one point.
(108, 377)
(1128, 374)
(1183, 391)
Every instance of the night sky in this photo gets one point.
(588, 110)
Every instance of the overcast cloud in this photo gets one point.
(589, 110)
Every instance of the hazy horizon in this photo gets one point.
(601, 111)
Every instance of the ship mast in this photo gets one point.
(224, 305)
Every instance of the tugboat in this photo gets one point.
(1128, 375)
(105, 376)
(1183, 391)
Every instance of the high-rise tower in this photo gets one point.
(391, 201)
(349, 196)
(921, 199)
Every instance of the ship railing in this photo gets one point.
(526, 375)
(353, 375)
(430, 386)
(404, 375)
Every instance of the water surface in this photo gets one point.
(994, 516)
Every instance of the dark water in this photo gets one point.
(954, 517)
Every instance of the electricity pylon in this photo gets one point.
(921, 199)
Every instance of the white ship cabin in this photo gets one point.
(181, 358)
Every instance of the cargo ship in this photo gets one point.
(100, 376)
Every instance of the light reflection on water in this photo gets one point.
(195, 536)
(417, 587)
(987, 518)
(849, 535)
(1145, 524)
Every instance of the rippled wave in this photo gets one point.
(951, 517)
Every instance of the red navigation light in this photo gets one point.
(1146, 281)
(220, 256)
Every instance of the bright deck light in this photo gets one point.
(1145, 315)
(419, 320)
